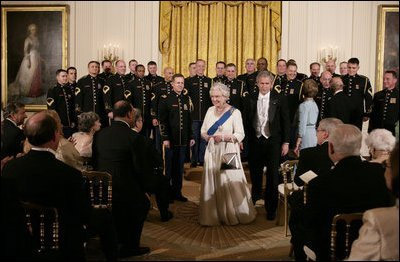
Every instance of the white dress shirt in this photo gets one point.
(262, 126)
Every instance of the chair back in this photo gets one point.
(43, 225)
(288, 170)
(99, 185)
(352, 221)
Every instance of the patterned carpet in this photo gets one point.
(183, 238)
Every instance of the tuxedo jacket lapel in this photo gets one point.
(273, 103)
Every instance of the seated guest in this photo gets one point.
(12, 137)
(39, 177)
(66, 151)
(379, 235)
(88, 124)
(117, 150)
(153, 165)
(380, 143)
(351, 186)
(316, 158)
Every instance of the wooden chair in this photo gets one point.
(353, 222)
(100, 188)
(285, 189)
(43, 226)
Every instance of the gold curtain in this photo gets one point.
(230, 31)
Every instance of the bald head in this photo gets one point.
(40, 129)
(336, 84)
(325, 79)
(168, 73)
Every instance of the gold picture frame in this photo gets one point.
(34, 45)
(387, 45)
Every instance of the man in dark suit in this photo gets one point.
(12, 137)
(157, 183)
(317, 160)
(267, 126)
(120, 156)
(351, 186)
(340, 105)
(39, 177)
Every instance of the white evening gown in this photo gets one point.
(224, 195)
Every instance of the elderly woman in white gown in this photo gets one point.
(224, 196)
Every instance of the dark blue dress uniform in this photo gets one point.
(105, 76)
(279, 79)
(72, 86)
(301, 76)
(322, 99)
(175, 126)
(336, 75)
(130, 76)
(237, 91)
(292, 90)
(315, 78)
(221, 79)
(154, 79)
(199, 92)
(141, 98)
(116, 89)
(250, 81)
(385, 110)
(359, 90)
(159, 89)
(61, 99)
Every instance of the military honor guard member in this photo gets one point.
(141, 98)
(152, 77)
(116, 87)
(280, 72)
(324, 95)
(385, 105)
(132, 70)
(72, 72)
(107, 70)
(250, 76)
(331, 67)
(292, 90)
(359, 90)
(89, 93)
(199, 92)
(159, 89)
(220, 72)
(176, 133)
(61, 99)
(237, 88)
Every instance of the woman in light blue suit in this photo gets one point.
(308, 115)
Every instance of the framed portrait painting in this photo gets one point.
(387, 42)
(34, 45)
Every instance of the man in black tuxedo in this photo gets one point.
(340, 105)
(267, 126)
(351, 186)
(39, 177)
(117, 150)
(157, 183)
(12, 137)
(317, 160)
